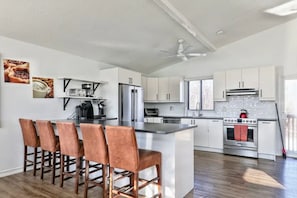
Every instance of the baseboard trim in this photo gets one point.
(8, 172)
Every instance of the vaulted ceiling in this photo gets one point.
(136, 34)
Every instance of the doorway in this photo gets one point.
(291, 116)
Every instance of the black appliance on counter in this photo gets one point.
(84, 111)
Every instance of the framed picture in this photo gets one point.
(42, 87)
(16, 71)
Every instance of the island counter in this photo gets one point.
(174, 141)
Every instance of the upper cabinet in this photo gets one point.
(151, 89)
(163, 89)
(267, 83)
(242, 78)
(219, 86)
(129, 77)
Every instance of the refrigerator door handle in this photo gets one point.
(132, 105)
(135, 105)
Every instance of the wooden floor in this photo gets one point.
(216, 176)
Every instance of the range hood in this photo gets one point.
(241, 92)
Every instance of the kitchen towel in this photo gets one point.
(237, 132)
(243, 133)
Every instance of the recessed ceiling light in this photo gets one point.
(220, 32)
(284, 9)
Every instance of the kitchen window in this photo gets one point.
(200, 95)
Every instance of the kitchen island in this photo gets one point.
(174, 141)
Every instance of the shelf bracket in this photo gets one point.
(66, 82)
(65, 102)
(95, 86)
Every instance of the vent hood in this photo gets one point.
(241, 92)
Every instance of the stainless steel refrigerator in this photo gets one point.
(131, 105)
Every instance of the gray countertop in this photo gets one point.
(138, 126)
(192, 117)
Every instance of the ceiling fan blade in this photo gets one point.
(196, 54)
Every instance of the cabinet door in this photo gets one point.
(163, 94)
(144, 86)
(233, 79)
(174, 89)
(219, 86)
(201, 133)
(215, 130)
(129, 77)
(267, 83)
(266, 137)
(250, 78)
(152, 89)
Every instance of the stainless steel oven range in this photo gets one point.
(241, 137)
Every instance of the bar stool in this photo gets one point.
(124, 154)
(70, 146)
(95, 149)
(30, 139)
(50, 143)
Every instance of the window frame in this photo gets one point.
(200, 96)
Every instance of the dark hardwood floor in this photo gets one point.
(216, 176)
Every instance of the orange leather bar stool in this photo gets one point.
(72, 147)
(124, 154)
(48, 142)
(95, 148)
(31, 139)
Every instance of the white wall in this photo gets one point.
(16, 99)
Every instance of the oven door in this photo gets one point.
(252, 137)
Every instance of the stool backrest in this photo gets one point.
(69, 143)
(47, 136)
(95, 147)
(29, 132)
(122, 147)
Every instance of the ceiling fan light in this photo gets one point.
(284, 9)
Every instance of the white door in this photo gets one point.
(233, 79)
(219, 86)
(291, 116)
(201, 133)
(163, 89)
(250, 78)
(152, 89)
(174, 89)
(215, 129)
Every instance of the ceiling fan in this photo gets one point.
(181, 51)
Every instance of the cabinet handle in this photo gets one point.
(261, 92)
(223, 94)
(215, 121)
(169, 96)
(239, 84)
(242, 83)
(265, 122)
(157, 96)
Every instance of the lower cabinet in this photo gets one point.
(267, 139)
(153, 119)
(208, 135)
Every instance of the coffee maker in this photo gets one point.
(84, 111)
(88, 89)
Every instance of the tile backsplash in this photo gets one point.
(230, 108)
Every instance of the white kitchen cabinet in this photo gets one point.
(267, 139)
(215, 130)
(219, 86)
(201, 138)
(153, 119)
(242, 78)
(267, 83)
(129, 77)
(170, 89)
(151, 89)
(144, 85)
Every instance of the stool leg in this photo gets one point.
(25, 158)
(35, 161)
(159, 174)
(77, 171)
(62, 171)
(135, 184)
(110, 181)
(42, 164)
(104, 170)
(86, 179)
(54, 168)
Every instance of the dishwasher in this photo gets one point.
(171, 120)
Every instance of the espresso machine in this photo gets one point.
(101, 106)
(84, 111)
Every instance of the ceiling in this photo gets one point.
(135, 34)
